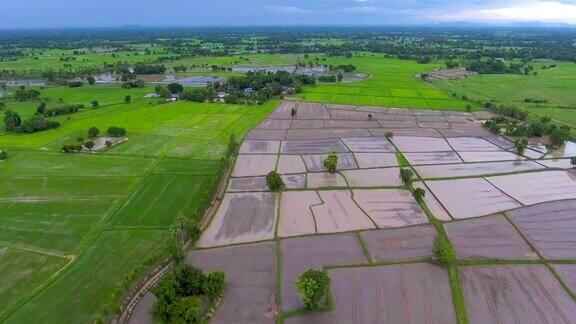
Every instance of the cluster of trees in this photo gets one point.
(134, 84)
(496, 66)
(181, 295)
(75, 84)
(142, 68)
(14, 123)
(502, 124)
(536, 100)
(80, 144)
(24, 94)
(330, 78)
(67, 109)
(114, 131)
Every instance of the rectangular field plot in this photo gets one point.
(534, 188)
(550, 228)
(515, 294)
(22, 272)
(57, 226)
(390, 207)
(330, 145)
(296, 217)
(142, 144)
(387, 177)
(488, 237)
(488, 156)
(254, 165)
(64, 188)
(472, 144)
(475, 169)
(161, 199)
(78, 294)
(302, 253)
(421, 144)
(432, 158)
(57, 164)
(400, 244)
(339, 213)
(250, 280)
(375, 160)
(410, 293)
(242, 218)
(176, 166)
(466, 198)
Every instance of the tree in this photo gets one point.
(331, 163)
(419, 194)
(114, 131)
(93, 132)
(175, 250)
(11, 120)
(91, 80)
(520, 144)
(128, 99)
(312, 286)
(41, 110)
(2, 105)
(95, 104)
(443, 251)
(89, 144)
(274, 181)
(185, 310)
(406, 175)
(213, 286)
(3, 155)
(175, 87)
(573, 162)
(389, 135)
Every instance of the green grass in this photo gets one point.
(393, 83)
(22, 272)
(75, 296)
(554, 85)
(161, 199)
(109, 211)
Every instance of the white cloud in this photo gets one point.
(545, 11)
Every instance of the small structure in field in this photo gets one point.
(447, 74)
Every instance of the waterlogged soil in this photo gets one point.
(409, 293)
(515, 294)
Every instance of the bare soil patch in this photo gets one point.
(488, 237)
(400, 244)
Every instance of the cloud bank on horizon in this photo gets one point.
(106, 13)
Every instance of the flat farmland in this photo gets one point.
(98, 216)
(392, 83)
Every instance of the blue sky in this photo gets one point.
(110, 13)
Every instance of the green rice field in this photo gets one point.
(74, 225)
(555, 85)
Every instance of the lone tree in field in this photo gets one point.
(443, 251)
(406, 175)
(389, 135)
(520, 145)
(91, 80)
(274, 181)
(95, 104)
(3, 155)
(313, 286)
(331, 163)
(128, 99)
(419, 194)
(93, 132)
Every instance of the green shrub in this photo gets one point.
(175, 250)
(274, 181)
(3, 155)
(93, 132)
(406, 175)
(185, 310)
(573, 162)
(213, 286)
(312, 286)
(331, 163)
(389, 135)
(520, 145)
(443, 251)
(419, 194)
(116, 131)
